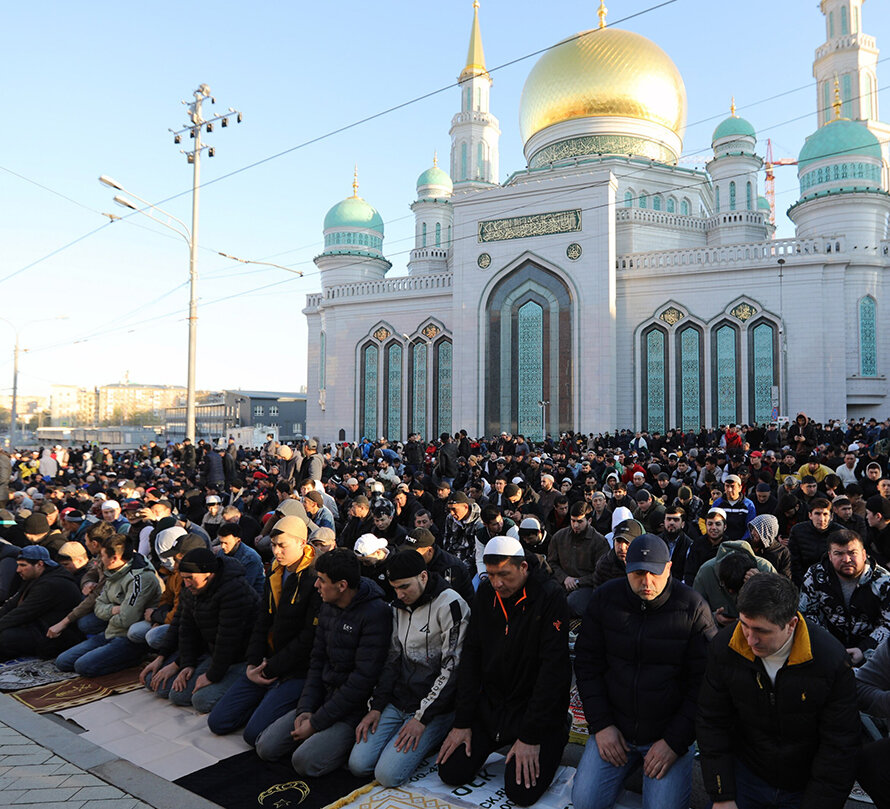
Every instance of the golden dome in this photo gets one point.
(603, 72)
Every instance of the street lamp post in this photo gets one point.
(194, 130)
(543, 405)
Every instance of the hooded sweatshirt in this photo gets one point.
(420, 674)
(707, 580)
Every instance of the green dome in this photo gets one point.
(353, 212)
(841, 139)
(435, 176)
(733, 127)
(763, 204)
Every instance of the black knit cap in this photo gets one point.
(406, 564)
(201, 560)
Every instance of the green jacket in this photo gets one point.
(133, 587)
(708, 583)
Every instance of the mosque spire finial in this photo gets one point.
(475, 54)
(837, 99)
(436, 159)
(732, 107)
(355, 181)
(602, 13)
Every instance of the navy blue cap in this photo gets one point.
(647, 552)
(36, 553)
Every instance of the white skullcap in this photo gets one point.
(503, 546)
(109, 505)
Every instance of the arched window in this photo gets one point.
(689, 393)
(528, 352)
(831, 24)
(478, 98)
(322, 351)
(726, 377)
(868, 348)
(826, 102)
(442, 397)
(419, 352)
(480, 174)
(844, 27)
(655, 379)
(644, 203)
(847, 96)
(749, 197)
(463, 161)
(717, 199)
(855, 20)
(369, 391)
(762, 372)
(438, 234)
(393, 398)
(530, 361)
(656, 203)
(732, 195)
(628, 199)
(449, 236)
(671, 205)
(423, 235)
(684, 207)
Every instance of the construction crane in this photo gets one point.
(769, 189)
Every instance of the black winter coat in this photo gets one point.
(286, 621)
(218, 620)
(800, 734)
(515, 676)
(43, 601)
(455, 573)
(807, 546)
(348, 654)
(702, 551)
(639, 664)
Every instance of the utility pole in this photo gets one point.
(193, 156)
(13, 413)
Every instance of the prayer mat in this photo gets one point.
(31, 674)
(153, 733)
(15, 661)
(78, 691)
(402, 797)
(579, 734)
(247, 780)
(859, 794)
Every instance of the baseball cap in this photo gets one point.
(36, 553)
(368, 544)
(405, 564)
(110, 505)
(763, 487)
(420, 538)
(717, 512)
(647, 552)
(292, 526)
(503, 546)
(459, 497)
(627, 530)
(732, 479)
(212, 500)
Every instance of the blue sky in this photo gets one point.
(91, 88)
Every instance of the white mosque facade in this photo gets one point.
(604, 285)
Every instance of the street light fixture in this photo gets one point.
(543, 405)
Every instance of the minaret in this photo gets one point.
(474, 130)
(850, 55)
(433, 219)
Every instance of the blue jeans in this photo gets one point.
(598, 783)
(752, 792)
(138, 631)
(89, 624)
(206, 697)
(378, 755)
(253, 707)
(98, 655)
(156, 635)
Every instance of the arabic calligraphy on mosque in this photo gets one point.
(521, 227)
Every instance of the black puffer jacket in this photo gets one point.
(639, 664)
(800, 734)
(286, 621)
(455, 573)
(807, 546)
(515, 677)
(218, 620)
(348, 654)
(43, 601)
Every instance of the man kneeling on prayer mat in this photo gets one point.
(412, 708)
(514, 677)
